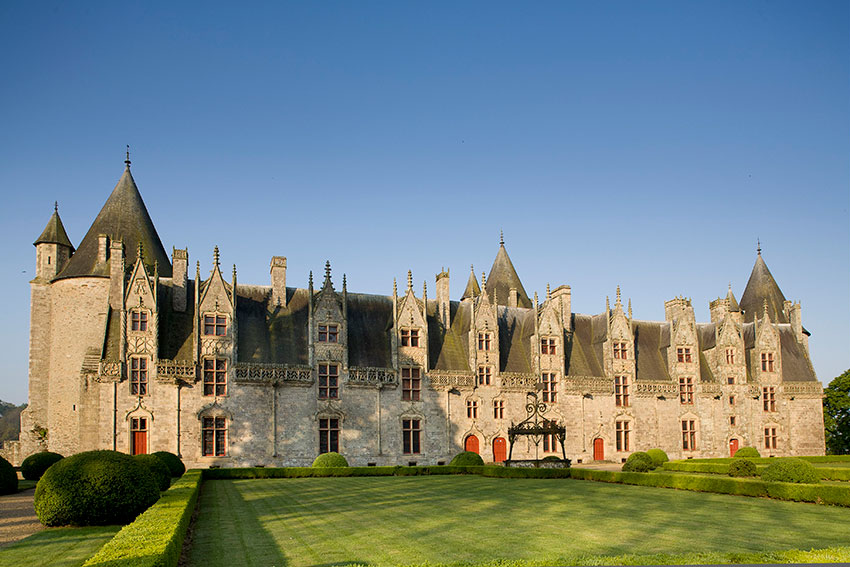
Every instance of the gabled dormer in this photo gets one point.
(411, 328)
(619, 347)
(141, 310)
(548, 340)
(484, 333)
(328, 322)
(765, 357)
(215, 311)
(729, 355)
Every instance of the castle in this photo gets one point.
(128, 352)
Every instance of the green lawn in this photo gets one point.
(457, 519)
(57, 547)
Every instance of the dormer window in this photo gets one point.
(683, 354)
(730, 356)
(138, 320)
(620, 351)
(767, 362)
(329, 333)
(410, 337)
(485, 374)
(215, 325)
(547, 346)
(485, 341)
(138, 376)
(550, 387)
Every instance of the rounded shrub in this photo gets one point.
(467, 459)
(94, 488)
(747, 453)
(658, 457)
(157, 468)
(173, 462)
(791, 470)
(8, 477)
(552, 459)
(34, 466)
(327, 460)
(638, 462)
(742, 467)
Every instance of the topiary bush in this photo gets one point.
(157, 468)
(8, 477)
(742, 467)
(94, 488)
(467, 459)
(34, 466)
(638, 462)
(791, 470)
(326, 460)
(747, 453)
(551, 459)
(658, 457)
(173, 462)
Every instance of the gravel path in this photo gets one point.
(17, 517)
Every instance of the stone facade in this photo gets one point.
(129, 353)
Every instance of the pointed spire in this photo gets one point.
(327, 283)
(55, 206)
(501, 238)
(630, 308)
(618, 303)
(472, 290)
(758, 246)
(483, 281)
(503, 277)
(54, 231)
(310, 280)
(215, 256)
(761, 288)
(409, 281)
(127, 160)
(344, 283)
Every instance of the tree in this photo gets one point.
(836, 415)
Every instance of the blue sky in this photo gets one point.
(646, 145)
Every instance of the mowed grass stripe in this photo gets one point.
(450, 520)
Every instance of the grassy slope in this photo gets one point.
(57, 547)
(446, 520)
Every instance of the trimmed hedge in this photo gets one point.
(638, 462)
(742, 468)
(711, 466)
(328, 460)
(467, 459)
(791, 470)
(34, 466)
(747, 453)
(8, 477)
(156, 537)
(173, 462)
(304, 472)
(658, 457)
(94, 488)
(157, 468)
(818, 493)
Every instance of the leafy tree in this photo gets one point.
(10, 421)
(836, 415)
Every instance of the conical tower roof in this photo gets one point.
(472, 288)
(123, 217)
(54, 232)
(762, 288)
(503, 277)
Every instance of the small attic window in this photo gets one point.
(620, 350)
(215, 325)
(138, 320)
(328, 333)
(410, 337)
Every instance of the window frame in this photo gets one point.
(622, 431)
(689, 435)
(686, 390)
(328, 381)
(139, 320)
(139, 376)
(684, 355)
(328, 333)
(217, 322)
(621, 351)
(329, 431)
(767, 362)
(550, 440)
(770, 437)
(550, 387)
(485, 341)
(498, 409)
(472, 409)
(769, 398)
(621, 391)
(411, 432)
(549, 346)
(411, 384)
(214, 435)
(730, 356)
(217, 384)
(485, 375)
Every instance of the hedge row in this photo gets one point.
(768, 460)
(820, 493)
(156, 537)
(305, 472)
(723, 468)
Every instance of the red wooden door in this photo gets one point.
(598, 449)
(140, 442)
(733, 447)
(471, 444)
(500, 449)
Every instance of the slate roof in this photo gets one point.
(123, 216)
(472, 288)
(54, 232)
(762, 287)
(651, 350)
(502, 278)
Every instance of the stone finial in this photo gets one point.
(607, 304)
(127, 160)
(310, 279)
(501, 237)
(764, 303)
(55, 206)
(618, 296)
(630, 308)
(395, 287)
(424, 289)
(327, 269)
(344, 283)
(197, 272)
(215, 256)
(234, 271)
(140, 252)
(409, 280)
(483, 280)
(536, 302)
(548, 292)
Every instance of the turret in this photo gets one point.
(52, 248)
(443, 306)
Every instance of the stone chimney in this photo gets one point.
(444, 310)
(278, 277)
(102, 248)
(678, 307)
(563, 295)
(512, 297)
(116, 272)
(719, 308)
(794, 313)
(179, 278)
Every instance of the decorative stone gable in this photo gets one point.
(140, 317)
(484, 333)
(216, 316)
(548, 340)
(683, 356)
(619, 346)
(765, 357)
(328, 323)
(729, 355)
(411, 329)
